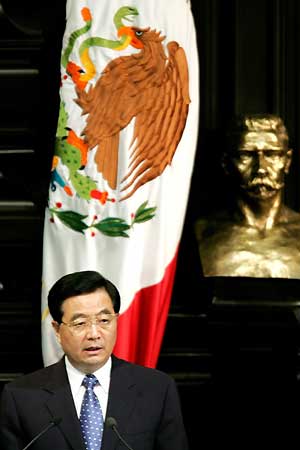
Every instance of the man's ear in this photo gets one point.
(55, 326)
(288, 161)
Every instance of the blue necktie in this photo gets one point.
(91, 418)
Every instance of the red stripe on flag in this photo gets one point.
(141, 327)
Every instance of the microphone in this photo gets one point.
(55, 421)
(112, 423)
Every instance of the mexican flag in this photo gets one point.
(123, 159)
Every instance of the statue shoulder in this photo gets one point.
(289, 216)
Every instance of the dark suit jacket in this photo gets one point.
(143, 401)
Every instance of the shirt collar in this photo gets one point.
(76, 376)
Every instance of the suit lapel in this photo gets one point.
(61, 405)
(121, 400)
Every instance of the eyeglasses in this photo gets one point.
(101, 321)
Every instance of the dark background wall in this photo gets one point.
(249, 62)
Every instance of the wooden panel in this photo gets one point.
(21, 220)
(17, 174)
(253, 54)
(21, 258)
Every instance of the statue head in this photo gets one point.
(257, 155)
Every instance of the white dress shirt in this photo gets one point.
(75, 379)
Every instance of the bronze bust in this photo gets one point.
(260, 236)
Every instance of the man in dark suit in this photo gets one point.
(143, 403)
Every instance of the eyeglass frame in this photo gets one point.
(89, 321)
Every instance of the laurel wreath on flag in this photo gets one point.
(110, 226)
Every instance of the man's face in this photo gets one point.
(259, 164)
(90, 349)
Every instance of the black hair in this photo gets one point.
(79, 283)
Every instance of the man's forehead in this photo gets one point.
(261, 140)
